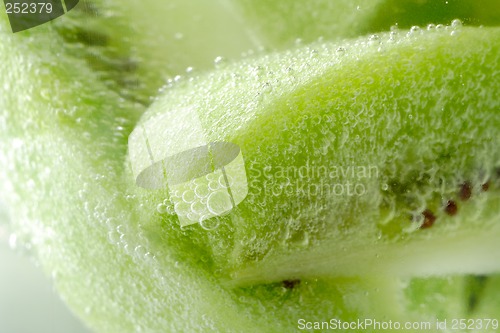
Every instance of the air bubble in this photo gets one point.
(124, 239)
(267, 87)
(213, 185)
(188, 196)
(431, 27)
(219, 202)
(161, 208)
(392, 36)
(140, 251)
(198, 208)
(210, 224)
(201, 191)
(113, 237)
(170, 210)
(456, 24)
(414, 30)
(219, 61)
(120, 229)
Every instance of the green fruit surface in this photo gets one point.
(64, 145)
(124, 266)
(280, 23)
(405, 108)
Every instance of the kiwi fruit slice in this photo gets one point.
(115, 38)
(345, 194)
(63, 144)
(408, 13)
(58, 153)
(123, 263)
(281, 24)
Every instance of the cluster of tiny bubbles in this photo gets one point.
(454, 27)
(248, 238)
(165, 207)
(200, 199)
(374, 40)
(162, 90)
(394, 31)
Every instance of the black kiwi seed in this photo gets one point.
(451, 208)
(429, 219)
(290, 284)
(465, 191)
